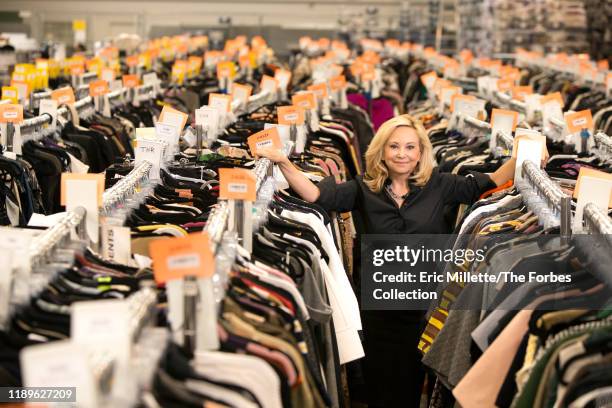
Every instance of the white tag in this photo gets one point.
(151, 151)
(283, 79)
(174, 119)
(237, 187)
(190, 138)
(41, 220)
(184, 260)
(483, 85)
(17, 140)
(77, 166)
(284, 131)
(552, 109)
(528, 149)
(241, 94)
(469, 107)
(116, 244)
(115, 85)
(49, 106)
(208, 118)
(60, 364)
(146, 133)
(84, 193)
(592, 190)
(10, 155)
(150, 78)
(102, 326)
(168, 133)
(143, 261)
(22, 91)
(532, 103)
(501, 122)
(222, 105)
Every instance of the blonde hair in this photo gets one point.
(376, 170)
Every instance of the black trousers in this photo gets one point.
(392, 366)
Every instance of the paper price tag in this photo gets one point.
(505, 120)
(521, 92)
(578, 121)
(102, 325)
(241, 92)
(305, 100)
(168, 133)
(284, 132)
(586, 172)
(23, 89)
(533, 135)
(130, 81)
(337, 83)
(447, 92)
(49, 106)
(457, 99)
(221, 102)
(268, 138)
(207, 117)
(526, 149)
(151, 151)
(176, 258)
(11, 93)
(107, 74)
(46, 365)
(237, 184)
(290, 115)
(84, 190)
(11, 113)
(283, 77)
(98, 88)
(173, 117)
(428, 79)
(63, 96)
(132, 61)
(226, 70)
(320, 90)
(150, 78)
(552, 107)
(268, 84)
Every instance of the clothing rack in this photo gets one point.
(603, 143)
(126, 187)
(557, 200)
(44, 244)
(43, 119)
(260, 99)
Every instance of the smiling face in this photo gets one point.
(402, 152)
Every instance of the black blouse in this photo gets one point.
(422, 212)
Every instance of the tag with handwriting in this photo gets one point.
(173, 117)
(320, 90)
(11, 113)
(130, 81)
(305, 100)
(221, 102)
(98, 88)
(241, 92)
(63, 96)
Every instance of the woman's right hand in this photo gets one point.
(273, 154)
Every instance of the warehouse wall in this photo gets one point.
(50, 18)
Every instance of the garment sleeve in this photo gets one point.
(337, 197)
(465, 189)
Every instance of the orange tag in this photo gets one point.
(221, 102)
(520, 92)
(337, 83)
(77, 70)
(63, 96)
(290, 115)
(178, 257)
(268, 83)
(555, 96)
(97, 177)
(429, 78)
(11, 113)
(497, 114)
(237, 184)
(320, 90)
(603, 65)
(184, 192)
(459, 97)
(504, 85)
(132, 61)
(244, 61)
(368, 75)
(586, 172)
(241, 92)
(305, 100)
(264, 139)
(97, 88)
(130, 81)
(579, 120)
(171, 116)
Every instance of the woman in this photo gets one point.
(401, 193)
